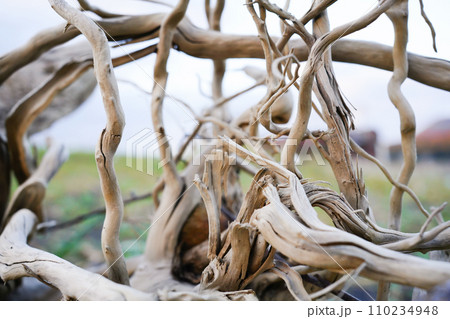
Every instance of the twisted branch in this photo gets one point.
(109, 138)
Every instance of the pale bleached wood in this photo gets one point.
(277, 218)
(212, 188)
(31, 193)
(109, 138)
(28, 109)
(398, 14)
(227, 273)
(212, 208)
(214, 15)
(338, 283)
(340, 251)
(85, 5)
(276, 100)
(299, 126)
(342, 214)
(208, 44)
(169, 221)
(339, 119)
(5, 178)
(34, 74)
(293, 281)
(160, 76)
(73, 282)
(315, 244)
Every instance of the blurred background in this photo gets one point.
(75, 189)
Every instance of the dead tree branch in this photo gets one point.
(109, 139)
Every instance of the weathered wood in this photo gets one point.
(215, 45)
(109, 138)
(34, 74)
(209, 243)
(5, 177)
(25, 261)
(30, 194)
(29, 107)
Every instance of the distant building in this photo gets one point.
(433, 143)
(367, 140)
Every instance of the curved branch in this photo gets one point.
(209, 193)
(28, 108)
(215, 45)
(292, 279)
(5, 178)
(398, 14)
(31, 193)
(109, 138)
(340, 251)
(85, 5)
(219, 65)
(360, 151)
(73, 282)
(430, 25)
(306, 81)
(166, 34)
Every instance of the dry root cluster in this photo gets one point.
(253, 242)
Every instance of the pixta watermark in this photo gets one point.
(143, 151)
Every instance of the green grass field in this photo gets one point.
(75, 190)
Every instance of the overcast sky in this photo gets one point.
(364, 87)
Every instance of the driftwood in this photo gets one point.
(109, 138)
(27, 109)
(35, 74)
(30, 194)
(207, 239)
(24, 260)
(5, 179)
(214, 45)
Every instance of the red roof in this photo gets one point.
(436, 137)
